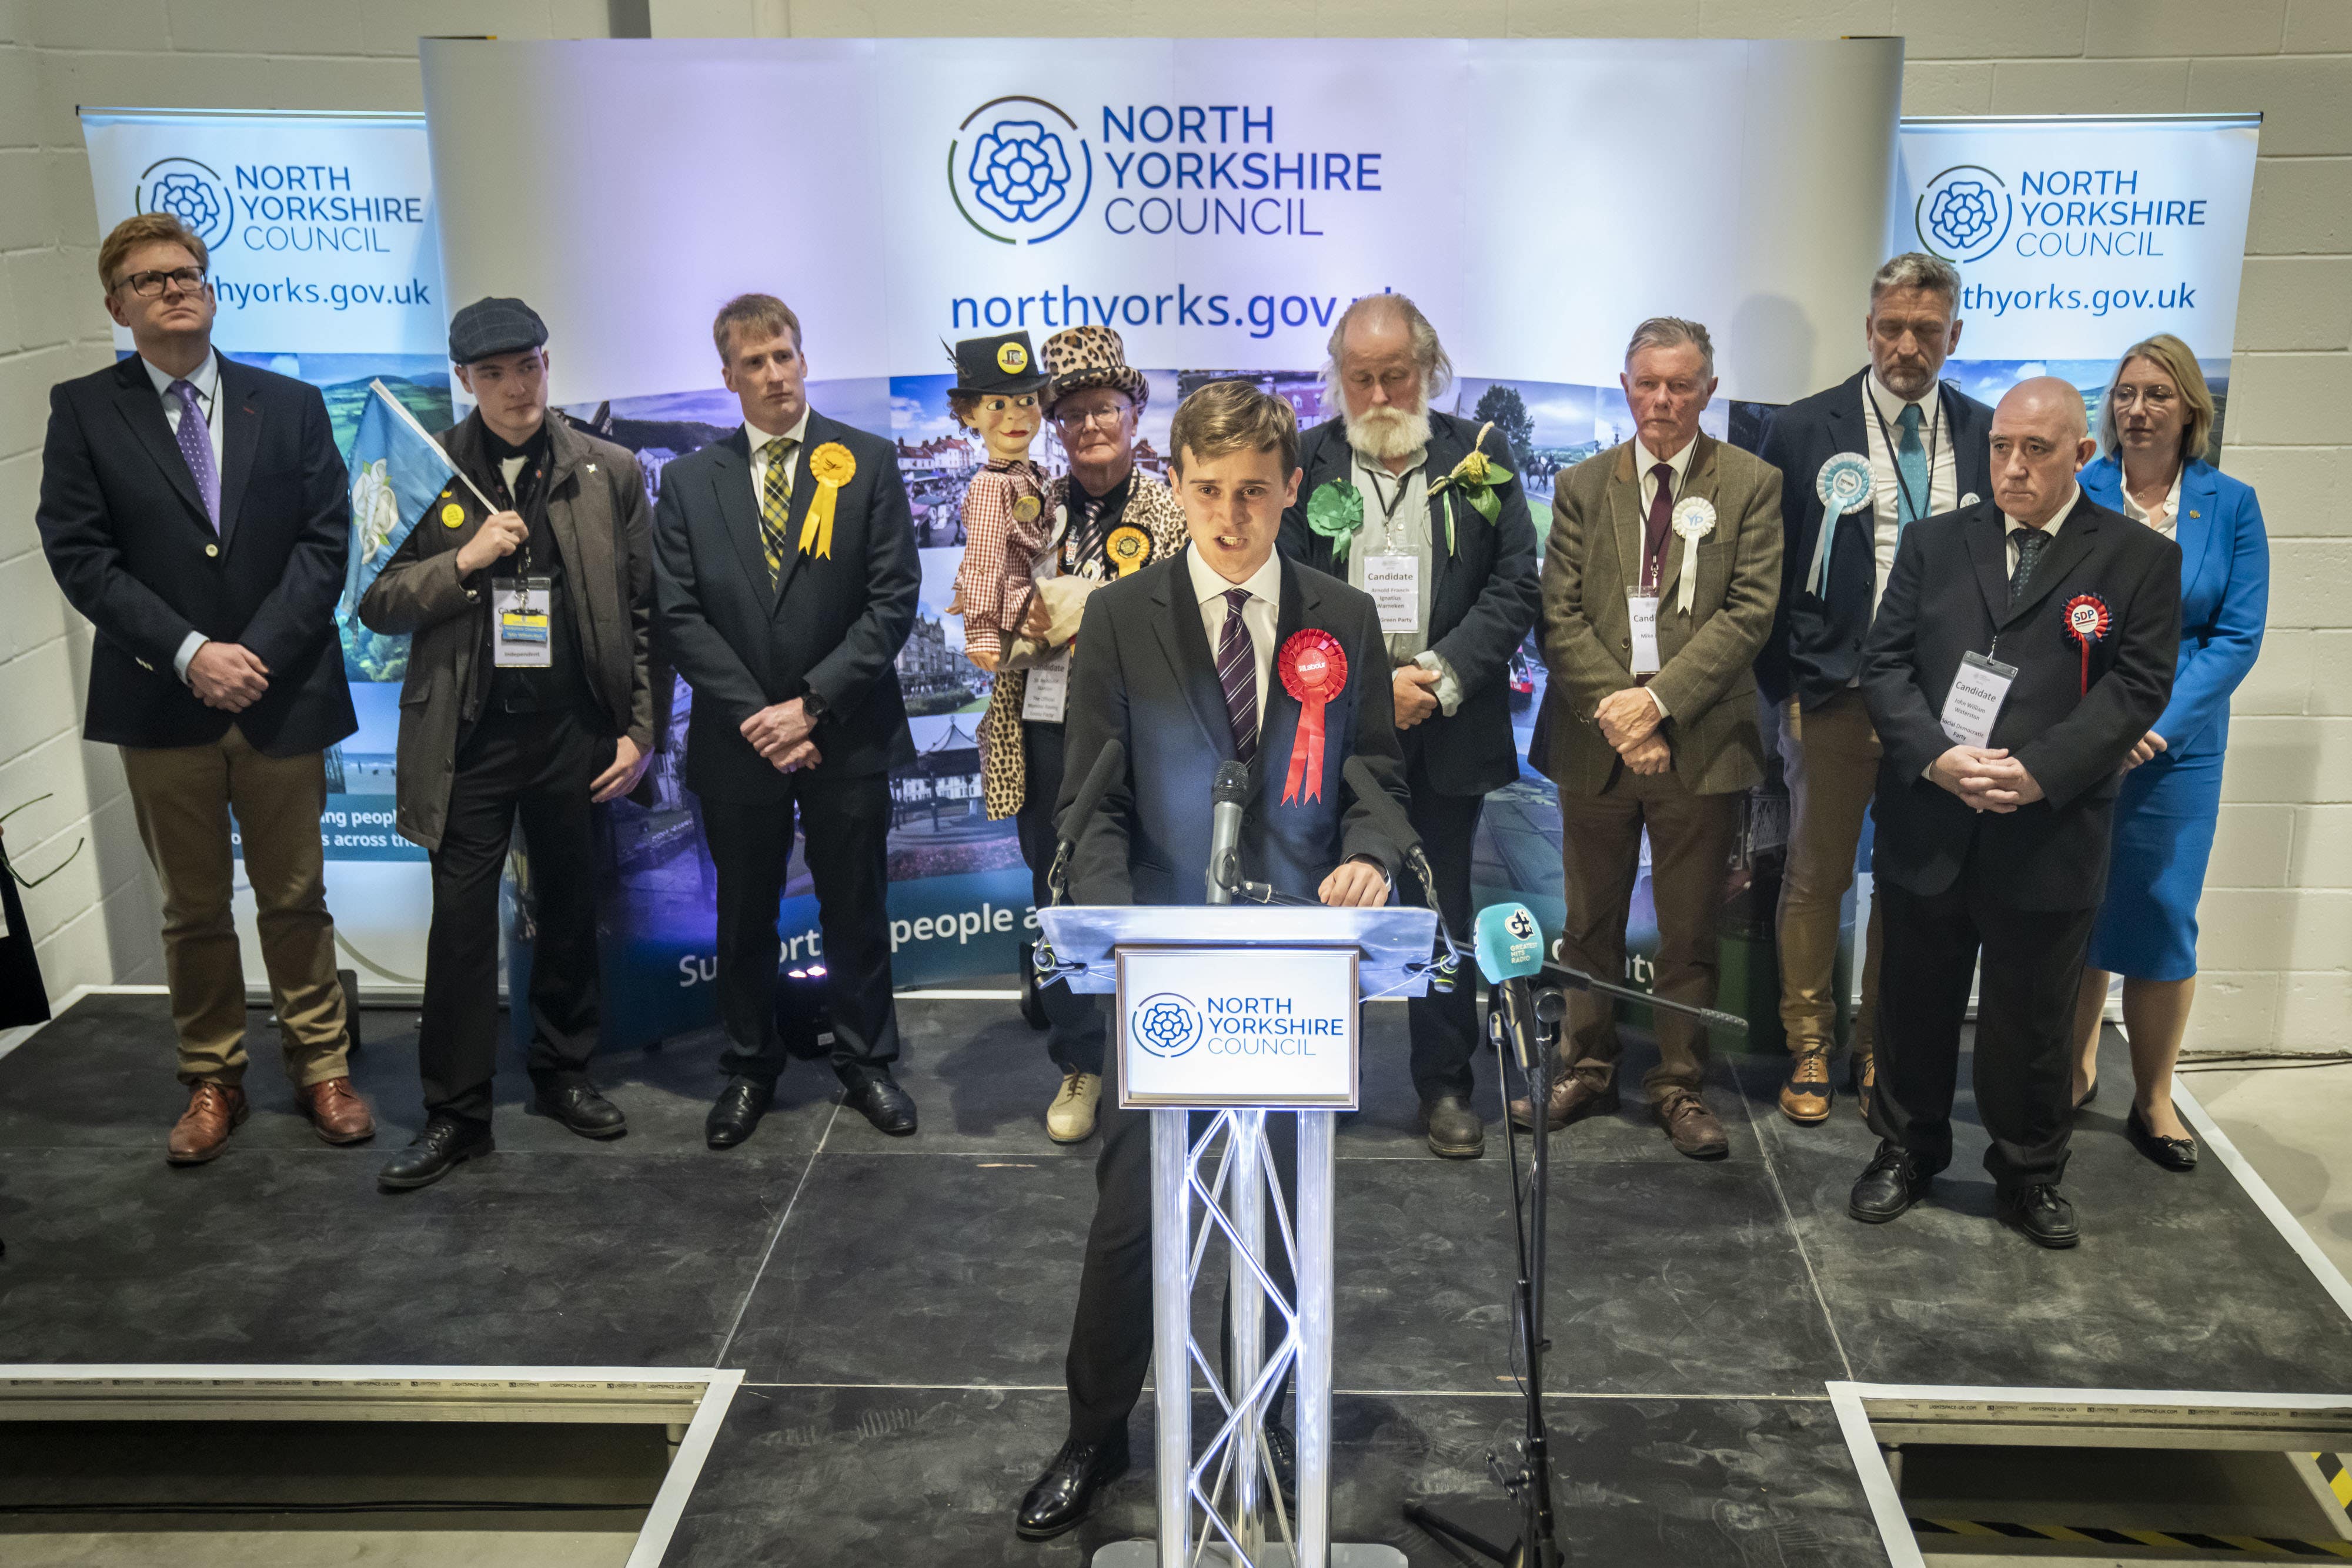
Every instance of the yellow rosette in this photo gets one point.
(832, 466)
(1129, 548)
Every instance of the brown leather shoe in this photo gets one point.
(1866, 1078)
(1572, 1100)
(1691, 1126)
(1805, 1098)
(202, 1131)
(336, 1113)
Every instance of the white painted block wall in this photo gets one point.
(2277, 948)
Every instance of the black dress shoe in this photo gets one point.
(575, 1102)
(1455, 1132)
(1284, 1449)
(2038, 1212)
(881, 1101)
(445, 1144)
(1888, 1189)
(738, 1110)
(1060, 1499)
(2088, 1095)
(2172, 1153)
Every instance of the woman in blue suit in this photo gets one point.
(2152, 427)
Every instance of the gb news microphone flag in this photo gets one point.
(398, 471)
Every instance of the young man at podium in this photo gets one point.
(1223, 653)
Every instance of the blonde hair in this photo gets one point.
(146, 229)
(1233, 416)
(762, 310)
(2174, 358)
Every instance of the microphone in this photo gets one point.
(1390, 818)
(1230, 797)
(1109, 763)
(1510, 948)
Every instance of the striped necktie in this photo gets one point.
(1237, 672)
(776, 508)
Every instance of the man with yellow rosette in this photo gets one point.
(785, 576)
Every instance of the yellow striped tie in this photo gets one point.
(776, 507)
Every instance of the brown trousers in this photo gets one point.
(1690, 857)
(182, 796)
(1830, 757)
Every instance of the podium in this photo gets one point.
(1240, 1012)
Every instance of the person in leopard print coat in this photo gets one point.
(1108, 519)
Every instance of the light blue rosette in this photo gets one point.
(1843, 487)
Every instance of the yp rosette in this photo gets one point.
(1844, 485)
(1694, 519)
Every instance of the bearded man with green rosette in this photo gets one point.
(1423, 511)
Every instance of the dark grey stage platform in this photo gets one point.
(900, 1307)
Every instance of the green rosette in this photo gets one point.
(1335, 510)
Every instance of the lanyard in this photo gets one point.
(1934, 439)
(1388, 542)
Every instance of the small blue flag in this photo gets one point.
(398, 471)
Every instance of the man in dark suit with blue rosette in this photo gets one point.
(197, 511)
(1887, 446)
(2024, 646)
(785, 576)
(1224, 652)
(1424, 510)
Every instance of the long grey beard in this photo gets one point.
(1384, 434)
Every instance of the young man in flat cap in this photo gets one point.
(529, 693)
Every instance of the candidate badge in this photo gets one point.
(1843, 484)
(453, 515)
(1694, 519)
(2087, 621)
(832, 466)
(1026, 509)
(1314, 670)
(1129, 548)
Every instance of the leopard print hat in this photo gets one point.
(1080, 357)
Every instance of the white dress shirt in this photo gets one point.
(205, 379)
(1887, 481)
(1258, 616)
(2165, 516)
(797, 435)
(1415, 534)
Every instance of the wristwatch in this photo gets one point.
(813, 705)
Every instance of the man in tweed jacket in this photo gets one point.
(1653, 726)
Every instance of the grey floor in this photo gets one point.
(900, 1307)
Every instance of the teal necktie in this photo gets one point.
(1911, 462)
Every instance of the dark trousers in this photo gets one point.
(846, 832)
(2025, 1014)
(1110, 1342)
(1075, 1031)
(1445, 1026)
(537, 766)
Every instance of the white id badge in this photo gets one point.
(1394, 583)
(1642, 612)
(520, 607)
(1048, 693)
(1979, 688)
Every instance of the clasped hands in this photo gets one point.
(1986, 778)
(1629, 721)
(780, 733)
(227, 676)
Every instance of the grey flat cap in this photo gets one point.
(494, 325)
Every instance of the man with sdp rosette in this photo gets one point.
(1223, 653)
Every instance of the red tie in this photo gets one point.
(1654, 543)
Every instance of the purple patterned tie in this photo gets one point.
(1237, 672)
(195, 438)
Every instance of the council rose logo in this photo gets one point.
(1165, 1024)
(192, 193)
(1963, 213)
(1018, 169)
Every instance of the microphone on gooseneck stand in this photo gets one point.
(1390, 818)
(1510, 948)
(1229, 797)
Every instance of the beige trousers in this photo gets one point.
(1829, 759)
(183, 796)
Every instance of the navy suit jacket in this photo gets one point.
(834, 627)
(126, 533)
(1142, 675)
(1483, 597)
(2225, 599)
(1948, 595)
(1816, 649)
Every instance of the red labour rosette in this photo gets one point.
(1314, 670)
(2087, 620)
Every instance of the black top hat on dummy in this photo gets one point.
(1000, 365)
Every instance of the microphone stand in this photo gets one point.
(1526, 1473)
